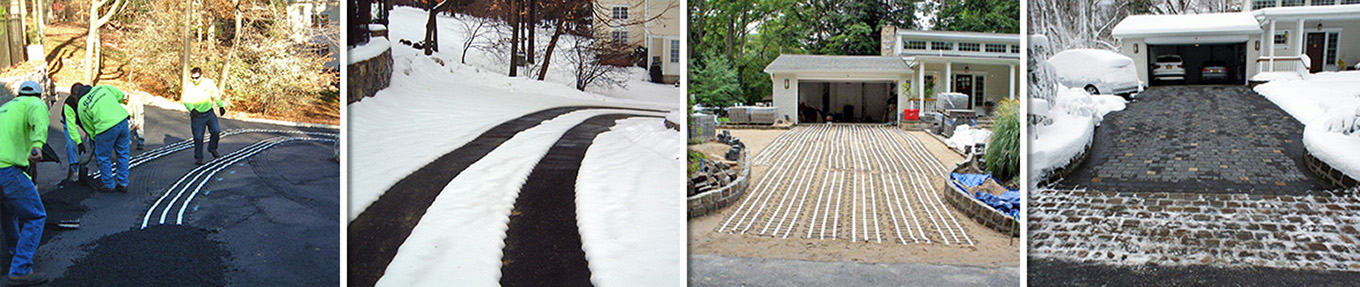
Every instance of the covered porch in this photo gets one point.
(1306, 40)
(987, 81)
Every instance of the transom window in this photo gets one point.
(938, 45)
(915, 45)
(619, 12)
(996, 48)
(970, 47)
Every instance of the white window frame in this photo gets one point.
(616, 33)
(987, 47)
(948, 46)
(614, 12)
(972, 47)
(675, 51)
(907, 44)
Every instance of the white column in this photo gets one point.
(1299, 39)
(1012, 83)
(948, 76)
(1270, 45)
(921, 92)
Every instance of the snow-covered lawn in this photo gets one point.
(435, 105)
(1074, 116)
(1328, 104)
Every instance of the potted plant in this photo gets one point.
(989, 105)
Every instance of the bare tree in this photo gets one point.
(92, 42)
(235, 43)
(473, 28)
(584, 58)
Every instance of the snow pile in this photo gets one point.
(1328, 104)
(967, 136)
(1074, 118)
(1103, 68)
(375, 46)
(626, 181)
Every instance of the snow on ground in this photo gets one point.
(627, 175)
(1074, 118)
(1328, 104)
(458, 102)
(1274, 76)
(966, 136)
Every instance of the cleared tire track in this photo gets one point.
(376, 234)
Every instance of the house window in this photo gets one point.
(1258, 4)
(620, 36)
(979, 99)
(915, 45)
(1330, 59)
(1015, 49)
(1280, 39)
(996, 48)
(1348, 2)
(937, 45)
(970, 47)
(1291, 3)
(619, 12)
(675, 51)
(1323, 2)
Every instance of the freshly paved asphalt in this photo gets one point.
(741, 271)
(377, 233)
(1197, 139)
(262, 223)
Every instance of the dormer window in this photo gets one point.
(940, 45)
(996, 48)
(915, 45)
(970, 47)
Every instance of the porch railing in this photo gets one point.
(1298, 64)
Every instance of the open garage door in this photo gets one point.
(845, 101)
(1203, 63)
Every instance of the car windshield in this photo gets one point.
(1170, 58)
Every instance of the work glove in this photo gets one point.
(221, 110)
(35, 155)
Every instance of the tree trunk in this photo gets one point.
(92, 39)
(514, 37)
(531, 25)
(235, 44)
(552, 44)
(184, 55)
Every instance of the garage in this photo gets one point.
(1223, 42)
(845, 102)
(1195, 58)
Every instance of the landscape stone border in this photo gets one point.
(367, 77)
(1328, 174)
(713, 200)
(980, 212)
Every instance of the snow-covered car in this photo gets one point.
(1214, 70)
(1169, 68)
(1096, 71)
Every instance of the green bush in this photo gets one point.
(1003, 149)
(694, 158)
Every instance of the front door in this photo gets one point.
(963, 84)
(1315, 46)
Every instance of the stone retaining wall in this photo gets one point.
(367, 77)
(713, 200)
(979, 212)
(1328, 174)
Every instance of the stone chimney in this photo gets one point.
(887, 39)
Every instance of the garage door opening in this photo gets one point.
(1203, 63)
(845, 102)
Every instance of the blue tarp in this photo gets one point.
(1008, 202)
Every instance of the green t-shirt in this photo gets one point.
(100, 109)
(23, 126)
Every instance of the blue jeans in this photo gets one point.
(197, 123)
(22, 219)
(72, 153)
(111, 151)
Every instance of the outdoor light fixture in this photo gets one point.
(965, 69)
(1258, 45)
(1319, 26)
(1135, 48)
(786, 84)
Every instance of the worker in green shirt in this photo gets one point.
(100, 113)
(203, 100)
(74, 145)
(23, 132)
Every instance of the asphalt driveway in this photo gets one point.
(1197, 139)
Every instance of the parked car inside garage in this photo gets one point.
(1214, 71)
(1169, 68)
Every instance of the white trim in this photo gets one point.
(1178, 40)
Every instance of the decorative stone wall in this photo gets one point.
(1328, 174)
(713, 200)
(983, 214)
(367, 77)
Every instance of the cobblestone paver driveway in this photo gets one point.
(1225, 139)
(1316, 232)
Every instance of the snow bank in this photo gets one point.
(631, 220)
(1275, 76)
(375, 46)
(966, 136)
(1074, 118)
(1328, 104)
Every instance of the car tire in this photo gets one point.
(1090, 89)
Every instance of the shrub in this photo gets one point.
(1003, 149)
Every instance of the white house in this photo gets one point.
(313, 23)
(862, 88)
(652, 24)
(1290, 36)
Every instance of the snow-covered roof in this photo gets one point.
(960, 35)
(1330, 12)
(1187, 25)
(826, 63)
